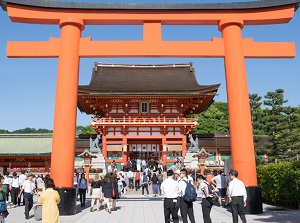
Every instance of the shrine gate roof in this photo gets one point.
(154, 79)
(150, 6)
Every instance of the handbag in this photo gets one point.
(113, 192)
(38, 212)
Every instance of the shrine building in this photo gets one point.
(143, 111)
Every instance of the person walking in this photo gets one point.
(49, 199)
(107, 189)
(170, 190)
(186, 207)
(115, 195)
(82, 188)
(160, 178)
(137, 180)
(130, 179)
(7, 182)
(154, 180)
(220, 183)
(238, 197)
(206, 203)
(145, 181)
(14, 190)
(22, 178)
(96, 188)
(28, 187)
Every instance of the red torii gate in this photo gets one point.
(70, 47)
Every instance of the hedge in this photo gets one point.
(280, 183)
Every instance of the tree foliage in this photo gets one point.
(214, 119)
(85, 130)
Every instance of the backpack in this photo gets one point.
(190, 192)
(160, 178)
(213, 199)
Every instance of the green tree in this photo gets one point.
(214, 119)
(85, 130)
(257, 117)
(289, 137)
(274, 122)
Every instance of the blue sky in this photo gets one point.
(27, 86)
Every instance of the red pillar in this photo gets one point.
(125, 153)
(164, 153)
(183, 146)
(104, 147)
(64, 131)
(242, 146)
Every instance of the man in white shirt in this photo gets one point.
(238, 197)
(138, 164)
(7, 181)
(206, 203)
(220, 183)
(170, 189)
(130, 179)
(15, 189)
(186, 207)
(22, 178)
(28, 187)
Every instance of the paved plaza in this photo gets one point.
(139, 209)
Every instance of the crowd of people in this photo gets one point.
(20, 189)
(175, 185)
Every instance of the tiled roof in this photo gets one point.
(112, 78)
(25, 144)
(150, 6)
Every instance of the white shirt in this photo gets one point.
(7, 180)
(202, 185)
(22, 178)
(182, 185)
(220, 181)
(15, 182)
(130, 174)
(28, 186)
(170, 188)
(237, 188)
(190, 179)
(75, 180)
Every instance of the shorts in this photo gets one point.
(222, 192)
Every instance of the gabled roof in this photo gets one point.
(150, 6)
(25, 144)
(154, 79)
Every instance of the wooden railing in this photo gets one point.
(153, 121)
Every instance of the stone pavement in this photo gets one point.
(140, 209)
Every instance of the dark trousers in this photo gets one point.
(159, 189)
(130, 180)
(28, 198)
(206, 208)
(143, 187)
(8, 191)
(82, 193)
(171, 207)
(186, 209)
(137, 184)
(14, 195)
(237, 208)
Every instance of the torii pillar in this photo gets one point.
(232, 47)
(65, 113)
